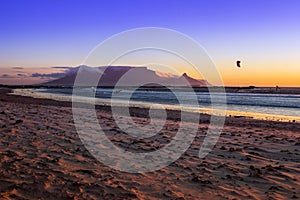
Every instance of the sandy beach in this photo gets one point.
(42, 157)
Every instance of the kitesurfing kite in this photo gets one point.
(238, 63)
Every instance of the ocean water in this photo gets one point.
(285, 106)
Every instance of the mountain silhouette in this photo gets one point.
(134, 75)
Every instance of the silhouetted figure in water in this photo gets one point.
(277, 88)
(238, 63)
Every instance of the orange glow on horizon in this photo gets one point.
(231, 76)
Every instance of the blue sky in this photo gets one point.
(265, 34)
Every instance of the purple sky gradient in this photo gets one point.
(265, 35)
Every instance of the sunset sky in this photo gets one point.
(264, 34)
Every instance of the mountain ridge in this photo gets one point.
(113, 75)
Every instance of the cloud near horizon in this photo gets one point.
(5, 76)
(17, 68)
(13, 76)
(34, 75)
(50, 75)
(22, 75)
(61, 67)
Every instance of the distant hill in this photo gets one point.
(112, 74)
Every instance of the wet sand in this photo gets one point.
(42, 157)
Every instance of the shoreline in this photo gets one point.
(105, 102)
(42, 157)
(229, 89)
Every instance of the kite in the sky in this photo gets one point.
(238, 63)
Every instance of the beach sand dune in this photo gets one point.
(42, 157)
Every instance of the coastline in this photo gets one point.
(228, 89)
(106, 102)
(43, 157)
